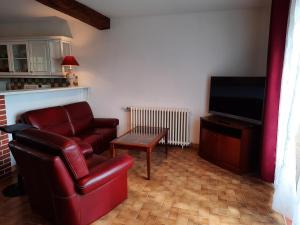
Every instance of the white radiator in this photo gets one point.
(177, 120)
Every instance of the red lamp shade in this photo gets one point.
(69, 61)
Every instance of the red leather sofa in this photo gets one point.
(61, 184)
(77, 122)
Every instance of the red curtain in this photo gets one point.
(278, 30)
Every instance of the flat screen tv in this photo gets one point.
(238, 97)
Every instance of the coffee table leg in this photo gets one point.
(166, 144)
(148, 163)
(113, 151)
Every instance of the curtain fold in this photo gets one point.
(277, 39)
(286, 198)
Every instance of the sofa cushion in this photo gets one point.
(80, 115)
(53, 119)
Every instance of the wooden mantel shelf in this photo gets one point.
(31, 91)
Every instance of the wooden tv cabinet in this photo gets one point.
(230, 144)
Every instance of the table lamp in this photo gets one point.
(71, 77)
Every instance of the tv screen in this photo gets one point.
(238, 97)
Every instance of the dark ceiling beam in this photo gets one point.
(80, 12)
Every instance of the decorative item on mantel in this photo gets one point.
(71, 77)
(20, 83)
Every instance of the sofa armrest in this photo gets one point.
(104, 173)
(105, 122)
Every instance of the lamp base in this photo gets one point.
(72, 79)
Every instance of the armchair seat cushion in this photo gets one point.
(103, 173)
(94, 160)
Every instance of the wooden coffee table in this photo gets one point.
(141, 139)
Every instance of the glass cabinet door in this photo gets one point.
(39, 56)
(20, 60)
(4, 59)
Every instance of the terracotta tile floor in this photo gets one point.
(184, 190)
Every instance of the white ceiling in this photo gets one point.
(22, 9)
(121, 8)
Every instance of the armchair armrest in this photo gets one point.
(104, 173)
(105, 122)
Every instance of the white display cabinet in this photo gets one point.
(34, 56)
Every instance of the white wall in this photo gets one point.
(163, 60)
(16, 104)
(167, 60)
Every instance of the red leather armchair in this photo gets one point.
(61, 184)
(77, 122)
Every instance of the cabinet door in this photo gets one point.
(66, 50)
(5, 67)
(58, 50)
(229, 151)
(19, 58)
(39, 57)
(209, 145)
(56, 57)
